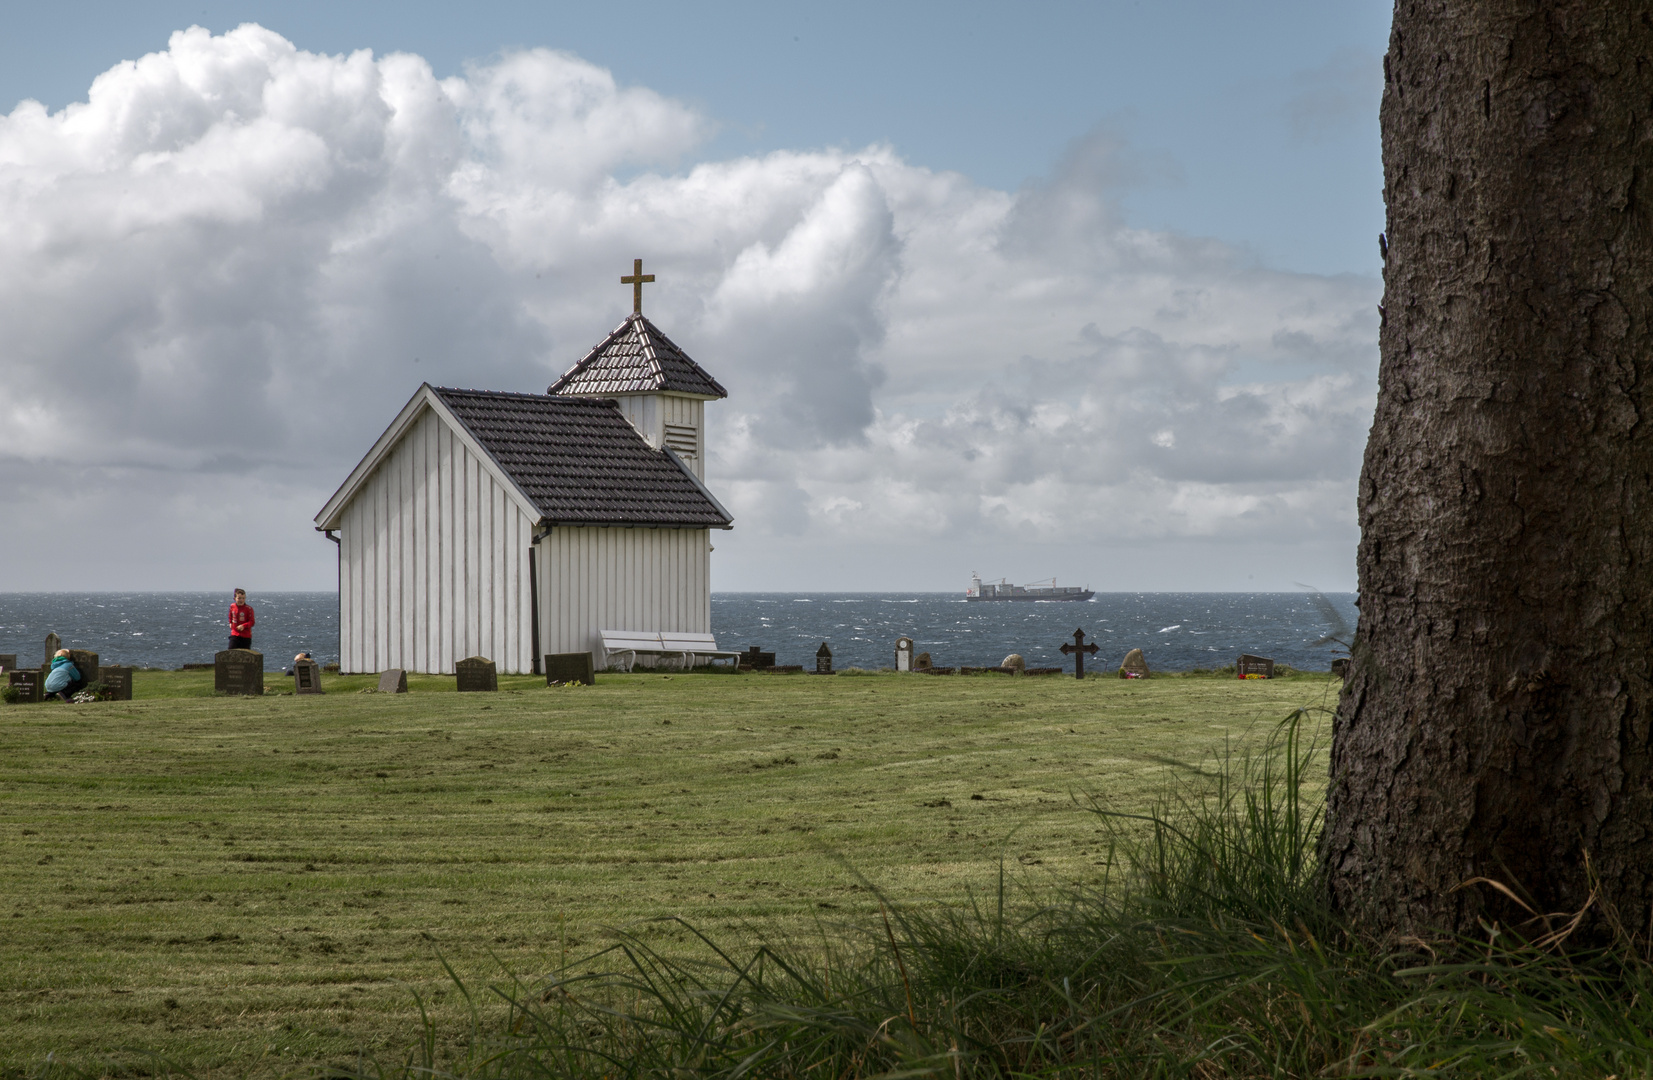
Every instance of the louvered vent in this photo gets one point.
(681, 438)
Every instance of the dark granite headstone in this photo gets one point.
(570, 667)
(28, 683)
(1254, 665)
(393, 681)
(1134, 666)
(307, 677)
(922, 662)
(53, 643)
(823, 660)
(475, 674)
(1340, 668)
(238, 672)
(86, 663)
(117, 682)
(8, 661)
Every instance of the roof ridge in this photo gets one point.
(559, 400)
(642, 330)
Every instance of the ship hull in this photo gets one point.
(1083, 594)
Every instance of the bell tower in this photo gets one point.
(659, 389)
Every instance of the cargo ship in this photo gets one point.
(1039, 590)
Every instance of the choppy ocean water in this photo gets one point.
(167, 629)
(1176, 631)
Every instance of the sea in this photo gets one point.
(1175, 631)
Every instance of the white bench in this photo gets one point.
(676, 649)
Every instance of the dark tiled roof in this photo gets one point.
(636, 359)
(582, 462)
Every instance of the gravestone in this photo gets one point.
(87, 664)
(53, 643)
(476, 674)
(393, 681)
(1078, 649)
(238, 672)
(922, 662)
(823, 660)
(1254, 665)
(578, 667)
(117, 682)
(29, 683)
(1134, 666)
(1340, 668)
(903, 654)
(8, 661)
(307, 677)
(756, 659)
(1014, 663)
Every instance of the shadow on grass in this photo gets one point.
(1208, 951)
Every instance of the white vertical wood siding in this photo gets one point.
(594, 579)
(433, 562)
(650, 413)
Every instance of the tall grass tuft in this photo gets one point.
(1208, 951)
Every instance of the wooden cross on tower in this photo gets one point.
(636, 280)
(1077, 649)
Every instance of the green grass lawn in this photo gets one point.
(243, 885)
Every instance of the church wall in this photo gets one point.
(594, 579)
(433, 562)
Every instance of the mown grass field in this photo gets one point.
(248, 885)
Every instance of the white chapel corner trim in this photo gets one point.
(423, 398)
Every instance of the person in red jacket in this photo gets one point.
(241, 622)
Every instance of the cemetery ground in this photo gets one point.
(248, 885)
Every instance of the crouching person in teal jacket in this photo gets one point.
(60, 682)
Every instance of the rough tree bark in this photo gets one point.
(1496, 722)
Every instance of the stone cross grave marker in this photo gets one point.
(1254, 665)
(823, 660)
(756, 659)
(238, 672)
(1134, 666)
(578, 667)
(307, 677)
(53, 643)
(903, 654)
(476, 674)
(1078, 650)
(1340, 668)
(8, 661)
(393, 681)
(29, 683)
(117, 682)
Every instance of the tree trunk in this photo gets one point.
(1496, 721)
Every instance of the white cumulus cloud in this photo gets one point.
(226, 270)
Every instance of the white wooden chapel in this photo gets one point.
(505, 525)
